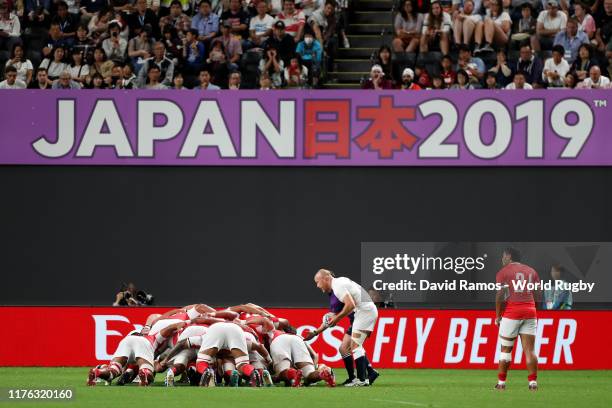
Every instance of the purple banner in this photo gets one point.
(303, 128)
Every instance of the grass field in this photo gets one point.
(394, 388)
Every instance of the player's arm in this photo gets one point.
(349, 306)
(206, 320)
(263, 351)
(170, 330)
(500, 303)
(225, 314)
(180, 346)
(265, 323)
(250, 308)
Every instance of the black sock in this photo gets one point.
(349, 364)
(368, 366)
(361, 365)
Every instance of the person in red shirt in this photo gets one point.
(408, 81)
(515, 308)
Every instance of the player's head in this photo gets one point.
(556, 272)
(323, 279)
(510, 254)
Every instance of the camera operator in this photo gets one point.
(129, 295)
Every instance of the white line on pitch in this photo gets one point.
(416, 404)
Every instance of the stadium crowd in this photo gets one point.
(267, 44)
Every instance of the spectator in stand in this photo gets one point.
(140, 48)
(84, 44)
(194, 53)
(275, 7)
(309, 6)
(463, 81)
(65, 82)
(311, 55)
(519, 82)
(524, 27)
(570, 81)
(383, 58)
(153, 78)
(178, 82)
(238, 21)
(377, 79)
(115, 47)
(550, 22)
(422, 76)
(173, 44)
(272, 66)
(217, 63)
(408, 83)
(11, 81)
(437, 83)
(282, 41)
(21, 64)
(79, 70)
(325, 23)
(436, 29)
(67, 22)
(465, 21)
(98, 25)
(474, 66)
(234, 81)
(448, 75)
(595, 80)
(583, 62)
(206, 23)
(408, 26)
(293, 19)
(260, 26)
(54, 39)
(101, 65)
(265, 83)
(296, 74)
(177, 19)
(341, 12)
(530, 65)
(603, 36)
(586, 22)
(205, 84)
(233, 46)
(495, 28)
(115, 80)
(571, 39)
(55, 65)
(42, 81)
(129, 78)
(97, 82)
(165, 66)
(555, 68)
(501, 70)
(490, 82)
(90, 8)
(143, 16)
(10, 31)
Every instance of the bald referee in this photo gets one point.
(357, 300)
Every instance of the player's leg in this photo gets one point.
(244, 367)
(204, 364)
(108, 371)
(280, 351)
(347, 357)
(508, 331)
(527, 333)
(145, 371)
(303, 362)
(359, 355)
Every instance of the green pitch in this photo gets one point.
(394, 388)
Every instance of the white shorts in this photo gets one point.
(134, 347)
(224, 336)
(511, 328)
(365, 318)
(184, 357)
(162, 324)
(288, 349)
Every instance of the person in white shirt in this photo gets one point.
(357, 300)
(495, 28)
(519, 82)
(22, 65)
(260, 26)
(55, 65)
(10, 28)
(595, 80)
(550, 22)
(11, 81)
(436, 28)
(555, 68)
(464, 23)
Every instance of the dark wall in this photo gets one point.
(71, 235)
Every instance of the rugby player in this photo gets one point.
(357, 300)
(516, 316)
